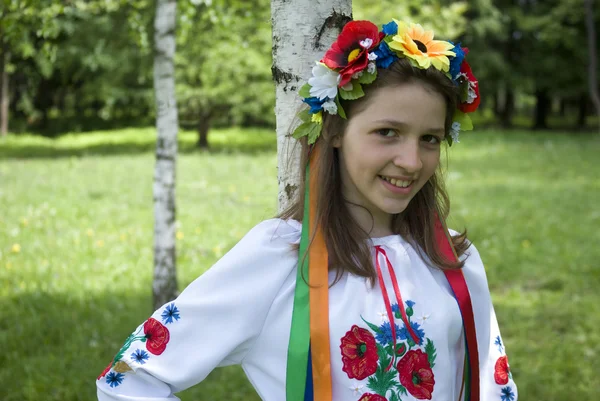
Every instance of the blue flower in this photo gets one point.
(316, 105)
(385, 56)
(385, 335)
(391, 28)
(114, 379)
(498, 342)
(171, 312)
(395, 308)
(507, 394)
(410, 303)
(457, 60)
(404, 334)
(140, 356)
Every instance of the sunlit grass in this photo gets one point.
(76, 248)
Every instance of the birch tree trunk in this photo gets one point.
(164, 286)
(302, 31)
(4, 100)
(593, 57)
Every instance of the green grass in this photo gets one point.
(76, 249)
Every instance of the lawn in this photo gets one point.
(76, 249)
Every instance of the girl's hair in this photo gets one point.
(345, 240)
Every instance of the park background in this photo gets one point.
(77, 165)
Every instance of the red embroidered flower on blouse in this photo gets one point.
(372, 397)
(105, 371)
(416, 374)
(157, 336)
(501, 370)
(350, 51)
(359, 353)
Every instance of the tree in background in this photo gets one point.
(302, 31)
(593, 57)
(164, 286)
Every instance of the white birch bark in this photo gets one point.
(164, 286)
(302, 31)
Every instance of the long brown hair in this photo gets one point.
(345, 239)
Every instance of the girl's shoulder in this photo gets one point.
(275, 231)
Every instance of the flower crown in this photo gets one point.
(360, 49)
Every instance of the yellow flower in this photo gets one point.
(317, 117)
(179, 235)
(417, 44)
(16, 248)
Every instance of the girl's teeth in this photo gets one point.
(397, 183)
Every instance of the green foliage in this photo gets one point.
(78, 283)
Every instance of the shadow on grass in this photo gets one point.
(36, 151)
(54, 347)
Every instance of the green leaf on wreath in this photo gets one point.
(341, 111)
(305, 115)
(305, 91)
(353, 94)
(309, 129)
(367, 78)
(431, 352)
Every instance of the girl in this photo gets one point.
(357, 291)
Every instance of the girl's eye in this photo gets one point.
(432, 139)
(386, 132)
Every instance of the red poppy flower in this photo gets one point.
(359, 353)
(372, 397)
(416, 374)
(465, 68)
(350, 51)
(501, 370)
(157, 336)
(105, 371)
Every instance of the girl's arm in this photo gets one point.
(495, 377)
(214, 321)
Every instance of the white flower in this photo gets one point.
(423, 318)
(383, 315)
(372, 56)
(357, 388)
(330, 107)
(371, 68)
(324, 82)
(366, 43)
(454, 131)
(471, 95)
(357, 75)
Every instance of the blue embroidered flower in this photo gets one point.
(456, 61)
(385, 56)
(385, 336)
(391, 28)
(498, 342)
(395, 308)
(114, 379)
(404, 334)
(507, 394)
(315, 104)
(410, 303)
(140, 356)
(171, 312)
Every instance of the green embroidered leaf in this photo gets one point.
(305, 91)
(309, 129)
(372, 326)
(397, 315)
(341, 111)
(410, 342)
(367, 78)
(382, 381)
(401, 389)
(409, 311)
(383, 355)
(355, 93)
(394, 397)
(431, 352)
(305, 115)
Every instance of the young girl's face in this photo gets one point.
(390, 149)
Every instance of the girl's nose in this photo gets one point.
(408, 156)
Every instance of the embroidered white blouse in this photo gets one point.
(240, 311)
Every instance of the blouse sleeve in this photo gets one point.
(214, 321)
(495, 377)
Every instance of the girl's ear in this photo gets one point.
(337, 141)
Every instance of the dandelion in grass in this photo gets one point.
(140, 356)
(171, 312)
(114, 379)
